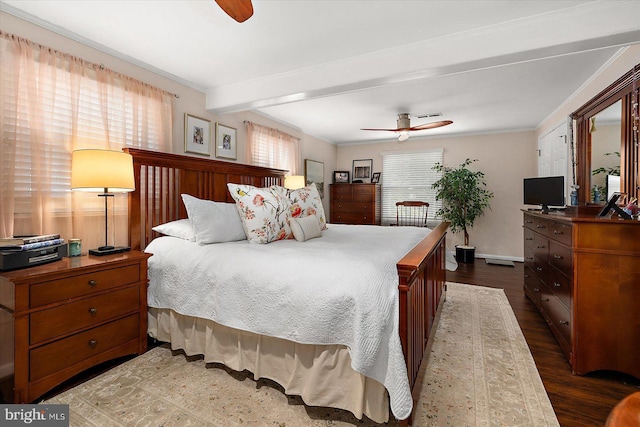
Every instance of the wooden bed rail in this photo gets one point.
(421, 286)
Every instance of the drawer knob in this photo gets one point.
(93, 283)
(556, 285)
(544, 299)
(540, 246)
(539, 226)
(93, 311)
(539, 268)
(528, 238)
(564, 322)
(528, 222)
(92, 343)
(529, 258)
(526, 276)
(536, 289)
(557, 232)
(557, 256)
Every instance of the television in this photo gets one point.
(544, 191)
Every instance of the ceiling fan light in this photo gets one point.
(404, 135)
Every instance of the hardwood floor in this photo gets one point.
(577, 400)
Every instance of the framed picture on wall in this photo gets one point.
(197, 135)
(362, 170)
(314, 174)
(375, 179)
(226, 142)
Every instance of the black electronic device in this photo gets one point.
(544, 191)
(13, 260)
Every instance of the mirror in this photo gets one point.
(604, 130)
(607, 124)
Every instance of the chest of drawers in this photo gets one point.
(355, 204)
(61, 318)
(583, 275)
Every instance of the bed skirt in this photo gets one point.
(320, 374)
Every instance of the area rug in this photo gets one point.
(479, 373)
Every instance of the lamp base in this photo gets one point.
(108, 250)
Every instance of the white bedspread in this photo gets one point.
(337, 289)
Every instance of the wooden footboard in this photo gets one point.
(421, 286)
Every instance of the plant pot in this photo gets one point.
(465, 254)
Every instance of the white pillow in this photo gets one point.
(180, 228)
(213, 222)
(305, 228)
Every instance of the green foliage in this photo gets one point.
(463, 194)
(609, 171)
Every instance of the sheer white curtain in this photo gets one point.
(273, 148)
(52, 103)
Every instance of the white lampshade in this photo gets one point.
(404, 135)
(293, 182)
(97, 170)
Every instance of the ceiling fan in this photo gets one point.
(404, 125)
(240, 10)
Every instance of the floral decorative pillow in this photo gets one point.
(306, 201)
(264, 212)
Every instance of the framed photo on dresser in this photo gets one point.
(362, 170)
(340, 177)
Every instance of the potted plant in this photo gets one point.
(464, 198)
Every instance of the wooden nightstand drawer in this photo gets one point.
(83, 284)
(81, 314)
(59, 355)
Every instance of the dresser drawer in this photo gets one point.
(353, 206)
(541, 269)
(62, 354)
(82, 314)
(353, 218)
(561, 232)
(528, 237)
(83, 284)
(337, 189)
(557, 314)
(541, 247)
(541, 226)
(561, 257)
(560, 285)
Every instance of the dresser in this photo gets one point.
(355, 204)
(583, 275)
(58, 319)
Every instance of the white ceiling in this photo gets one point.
(330, 68)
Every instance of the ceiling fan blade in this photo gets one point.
(432, 125)
(390, 130)
(240, 10)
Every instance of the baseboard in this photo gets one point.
(504, 257)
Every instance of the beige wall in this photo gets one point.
(504, 158)
(190, 100)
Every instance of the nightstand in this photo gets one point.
(58, 319)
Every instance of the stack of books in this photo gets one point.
(25, 243)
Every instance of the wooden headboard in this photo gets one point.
(161, 178)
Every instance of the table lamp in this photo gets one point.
(293, 182)
(102, 171)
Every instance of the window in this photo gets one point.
(272, 148)
(408, 175)
(51, 104)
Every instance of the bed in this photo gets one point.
(321, 372)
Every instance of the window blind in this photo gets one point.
(52, 103)
(408, 175)
(272, 148)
